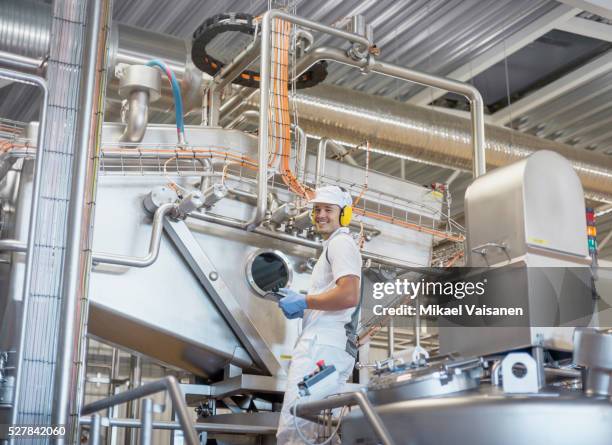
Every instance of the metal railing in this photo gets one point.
(169, 384)
(309, 409)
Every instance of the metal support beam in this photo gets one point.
(94, 430)
(604, 242)
(584, 74)
(146, 423)
(587, 28)
(500, 51)
(599, 7)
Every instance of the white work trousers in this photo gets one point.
(307, 353)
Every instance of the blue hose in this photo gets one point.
(176, 93)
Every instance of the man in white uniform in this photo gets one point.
(329, 311)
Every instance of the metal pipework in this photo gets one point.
(264, 94)
(230, 222)
(300, 167)
(391, 70)
(283, 213)
(9, 245)
(136, 117)
(214, 194)
(232, 70)
(139, 85)
(241, 95)
(25, 28)
(156, 234)
(320, 162)
(419, 134)
(69, 370)
(146, 424)
(33, 222)
(169, 384)
(94, 430)
(247, 116)
(341, 153)
(303, 221)
(208, 427)
(208, 172)
(21, 63)
(322, 155)
(384, 122)
(309, 409)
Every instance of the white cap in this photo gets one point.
(332, 194)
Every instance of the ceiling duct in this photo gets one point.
(424, 135)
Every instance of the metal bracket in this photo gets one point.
(483, 250)
(519, 373)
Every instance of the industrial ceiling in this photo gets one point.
(543, 67)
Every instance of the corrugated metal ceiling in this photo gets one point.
(436, 36)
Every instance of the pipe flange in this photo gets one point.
(138, 78)
(244, 24)
(159, 196)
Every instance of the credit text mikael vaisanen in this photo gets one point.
(456, 289)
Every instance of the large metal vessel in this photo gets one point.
(173, 310)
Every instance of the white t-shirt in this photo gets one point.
(344, 259)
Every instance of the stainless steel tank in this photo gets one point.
(448, 403)
(195, 308)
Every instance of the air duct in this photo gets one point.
(25, 27)
(421, 134)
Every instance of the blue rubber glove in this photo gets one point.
(293, 303)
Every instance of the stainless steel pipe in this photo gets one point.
(322, 155)
(208, 426)
(76, 259)
(379, 259)
(302, 152)
(42, 84)
(137, 117)
(154, 243)
(21, 63)
(25, 28)
(8, 245)
(410, 75)
(146, 424)
(94, 430)
(264, 95)
(320, 162)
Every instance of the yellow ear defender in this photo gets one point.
(345, 216)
